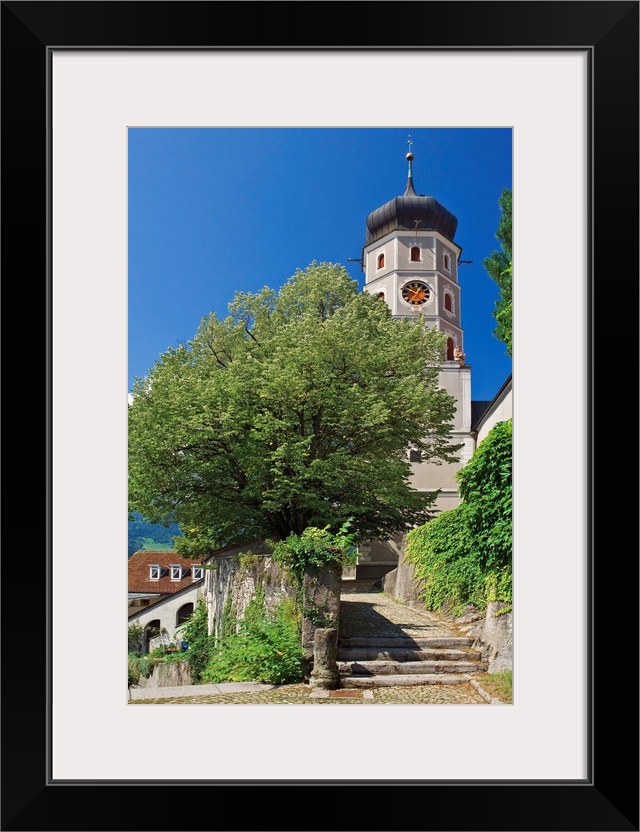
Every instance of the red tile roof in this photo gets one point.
(139, 571)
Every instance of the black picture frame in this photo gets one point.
(608, 799)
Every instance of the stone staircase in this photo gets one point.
(386, 661)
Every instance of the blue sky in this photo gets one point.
(212, 211)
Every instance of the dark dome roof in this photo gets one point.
(403, 212)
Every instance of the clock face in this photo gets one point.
(415, 293)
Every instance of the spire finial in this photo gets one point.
(409, 190)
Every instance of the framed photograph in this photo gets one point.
(564, 78)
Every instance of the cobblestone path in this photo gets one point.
(366, 612)
(464, 694)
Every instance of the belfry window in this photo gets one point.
(447, 302)
(449, 349)
(381, 261)
(415, 254)
(447, 261)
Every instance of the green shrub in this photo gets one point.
(265, 646)
(139, 666)
(195, 633)
(135, 639)
(315, 548)
(133, 676)
(464, 556)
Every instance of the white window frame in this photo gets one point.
(200, 570)
(445, 255)
(155, 567)
(382, 254)
(179, 567)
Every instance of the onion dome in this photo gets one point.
(409, 212)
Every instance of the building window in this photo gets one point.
(145, 602)
(154, 572)
(415, 254)
(381, 261)
(380, 295)
(415, 456)
(449, 349)
(447, 261)
(176, 572)
(447, 302)
(197, 573)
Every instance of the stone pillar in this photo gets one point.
(320, 602)
(325, 673)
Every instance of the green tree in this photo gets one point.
(295, 410)
(499, 267)
(464, 556)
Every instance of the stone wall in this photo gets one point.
(403, 586)
(169, 674)
(492, 632)
(236, 576)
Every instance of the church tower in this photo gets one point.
(410, 260)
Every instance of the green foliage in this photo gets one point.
(264, 646)
(314, 549)
(133, 676)
(139, 666)
(294, 411)
(195, 631)
(248, 561)
(464, 556)
(485, 485)
(135, 639)
(499, 266)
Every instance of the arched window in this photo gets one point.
(447, 262)
(381, 261)
(415, 254)
(449, 349)
(183, 613)
(380, 295)
(447, 302)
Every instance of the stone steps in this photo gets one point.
(386, 668)
(382, 661)
(403, 680)
(405, 654)
(436, 643)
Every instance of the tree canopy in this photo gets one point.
(499, 266)
(295, 410)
